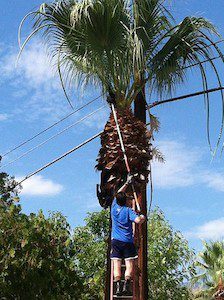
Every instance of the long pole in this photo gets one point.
(124, 154)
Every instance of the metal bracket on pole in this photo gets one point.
(124, 154)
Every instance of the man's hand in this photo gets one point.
(130, 179)
(140, 219)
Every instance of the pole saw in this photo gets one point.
(124, 153)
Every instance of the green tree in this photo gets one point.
(90, 243)
(210, 269)
(36, 253)
(170, 260)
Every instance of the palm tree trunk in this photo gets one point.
(141, 233)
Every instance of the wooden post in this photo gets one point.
(141, 233)
(107, 292)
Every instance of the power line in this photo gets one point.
(51, 126)
(90, 102)
(62, 156)
(202, 62)
(150, 106)
(99, 133)
(156, 103)
(52, 137)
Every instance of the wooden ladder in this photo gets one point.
(112, 287)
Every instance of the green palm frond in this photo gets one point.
(152, 20)
(94, 41)
(210, 269)
(184, 46)
(124, 48)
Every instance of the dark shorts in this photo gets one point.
(121, 250)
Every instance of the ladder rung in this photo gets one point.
(123, 297)
(123, 280)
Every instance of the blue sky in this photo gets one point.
(188, 187)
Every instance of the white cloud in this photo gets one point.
(183, 167)
(98, 120)
(40, 186)
(215, 181)
(179, 167)
(34, 65)
(3, 117)
(35, 82)
(212, 230)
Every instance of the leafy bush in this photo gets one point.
(36, 253)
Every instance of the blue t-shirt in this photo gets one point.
(122, 218)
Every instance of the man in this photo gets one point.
(122, 245)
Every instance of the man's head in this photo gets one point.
(121, 199)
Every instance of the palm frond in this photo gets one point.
(184, 44)
(151, 20)
(157, 155)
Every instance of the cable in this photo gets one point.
(202, 62)
(90, 102)
(60, 157)
(156, 103)
(51, 126)
(52, 137)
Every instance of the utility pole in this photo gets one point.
(141, 233)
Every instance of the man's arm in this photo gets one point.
(140, 219)
(134, 217)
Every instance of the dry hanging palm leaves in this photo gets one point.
(110, 160)
(219, 295)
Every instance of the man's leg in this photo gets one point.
(117, 276)
(117, 269)
(116, 256)
(129, 263)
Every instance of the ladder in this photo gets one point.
(112, 287)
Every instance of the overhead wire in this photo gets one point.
(61, 157)
(93, 138)
(61, 120)
(90, 102)
(156, 103)
(50, 127)
(52, 137)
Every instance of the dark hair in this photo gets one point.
(121, 198)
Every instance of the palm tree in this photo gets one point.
(210, 267)
(125, 48)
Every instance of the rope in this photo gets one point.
(51, 126)
(52, 137)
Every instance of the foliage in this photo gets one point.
(36, 253)
(124, 47)
(90, 243)
(8, 189)
(169, 263)
(210, 267)
(40, 259)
